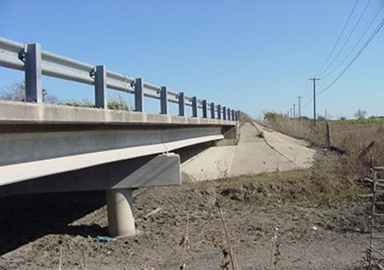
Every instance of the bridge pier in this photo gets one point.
(120, 209)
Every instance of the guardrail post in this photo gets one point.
(233, 115)
(181, 104)
(205, 109)
(229, 114)
(163, 100)
(33, 84)
(219, 111)
(194, 107)
(101, 87)
(238, 115)
(224, 113)
(212, 110)
(139, 95)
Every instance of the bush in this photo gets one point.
(272, 116)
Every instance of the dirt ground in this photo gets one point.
(34, 228)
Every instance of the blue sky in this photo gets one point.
(249, 55)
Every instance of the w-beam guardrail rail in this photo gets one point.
(35, 62)
(57, 148)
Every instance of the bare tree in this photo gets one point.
(16, 92)
(360, 114)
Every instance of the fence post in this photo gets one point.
(33, 84)
(181, 104)
(212, 110)
(329, 140)
(163, 100)
(229, 114)
(219, 111)
(194, 107)
(233, 115)
(139, 95)
(205, 109)
(224, 113)
(101, 87)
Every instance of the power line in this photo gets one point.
(348, 38)
(357, 42)
(305, 87)
(307, 104)
(377, 30)
(338, 39)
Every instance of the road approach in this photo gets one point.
(253, 154)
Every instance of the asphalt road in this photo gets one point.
(252, 155)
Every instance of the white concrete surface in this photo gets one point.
(36, 113)
(120, 212)
(35, 169)
(252, 155)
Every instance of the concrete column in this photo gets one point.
(120, 212)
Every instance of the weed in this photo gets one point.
(261, 135)
(359, 141)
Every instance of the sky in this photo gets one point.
(248, 55)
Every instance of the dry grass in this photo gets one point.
(361, 143)
(322, 185)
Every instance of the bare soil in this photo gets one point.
(313, 234)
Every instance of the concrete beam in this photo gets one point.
(159, 170)
(35, 169)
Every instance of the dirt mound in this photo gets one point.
(325, 233)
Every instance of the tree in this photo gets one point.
(360, 114)
(272, 116)
(16, 92)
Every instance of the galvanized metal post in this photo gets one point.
(219, 111)
(224, 113)
(139, 95)
(163, 100)
(33, 83)
(181, 104)
(212, 110)
(101, 87)
(194, 107)
(205, 109)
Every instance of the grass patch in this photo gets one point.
(360, 141)
(301, 187)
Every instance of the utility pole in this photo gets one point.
(294, 111)
(314, 98)
(299, 105)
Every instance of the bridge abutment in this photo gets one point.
(120, 209)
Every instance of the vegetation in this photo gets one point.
(360, 114)
(359, 141)
(16, 92)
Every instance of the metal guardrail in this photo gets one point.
(35, 63)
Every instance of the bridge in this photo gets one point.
(56, 148)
